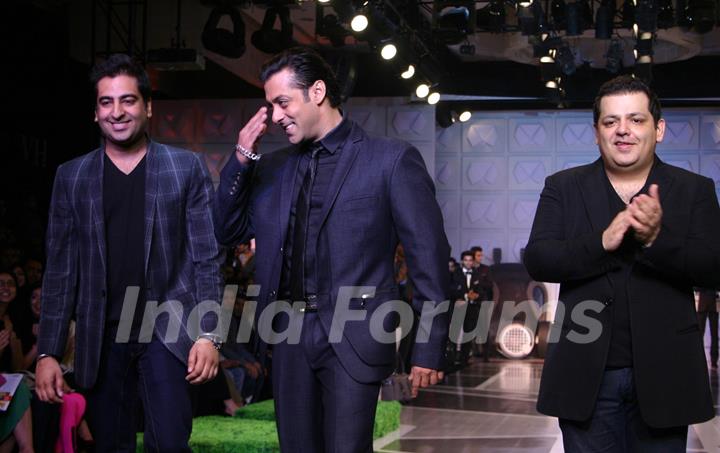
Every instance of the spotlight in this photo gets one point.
(331, 27)
(433, 98)
(359, 23)
(614, 57)
(453, 24)
(422, 90)
(409, 72)
(444, 116)
(548, 68)
(644, 45)
(269, 40)
(227, 43)
(465, 116)
(388, 51)
(323, 1)
(604, 20)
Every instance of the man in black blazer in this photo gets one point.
(327, 214)
(130, 226)
(627, 237)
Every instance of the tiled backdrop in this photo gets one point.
(489, 171)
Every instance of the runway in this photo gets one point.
(490, 407)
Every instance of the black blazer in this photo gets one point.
(668, 360)
(379, 195)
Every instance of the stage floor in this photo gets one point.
(490, 407)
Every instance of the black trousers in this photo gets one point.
(319, 406)
(132, 372)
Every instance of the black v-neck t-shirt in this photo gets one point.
(124, 213)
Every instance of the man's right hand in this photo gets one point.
(48, 380)
(613, 235)
(249, 136)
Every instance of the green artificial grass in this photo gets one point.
(253, 430)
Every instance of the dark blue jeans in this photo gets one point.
(152, 373)
(616, 425)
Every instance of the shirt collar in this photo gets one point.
(334, 139)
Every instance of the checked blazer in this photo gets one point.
(181, 255)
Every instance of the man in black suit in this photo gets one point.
(327, 214)
(466, 291)
(627, 237)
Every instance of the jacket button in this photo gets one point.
(272, 293)
(609, 301)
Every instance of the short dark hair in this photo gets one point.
(307, 67)
(626, 84)
(121, 64)
(476, 249)
(469, 253)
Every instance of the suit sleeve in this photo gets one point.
(551, 256)
(200, 238)
(231, 213)
(695, 256)
(59, 288)
(419, 225)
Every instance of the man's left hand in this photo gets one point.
(423, 377)
(646, 215)
(202, 362)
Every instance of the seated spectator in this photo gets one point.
(241, 366)
(16, 422)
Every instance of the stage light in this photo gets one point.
(409, 72)
(422, 90)
(548, 68)
(644, 45)
(453, 24)
(323, 1)
(530, 17)
(269, 40)
(388, 51)
(433, 98)
(224, 42)
(465, 116)
(359, 23)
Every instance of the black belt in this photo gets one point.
(307, 305)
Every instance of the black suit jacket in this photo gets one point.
(668, 360)
(380, 194)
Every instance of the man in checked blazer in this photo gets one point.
(360, 195)
(129, 227)
(627, 237)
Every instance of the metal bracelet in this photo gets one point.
(214, 339)
(246, 152)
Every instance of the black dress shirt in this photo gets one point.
(328, 158)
